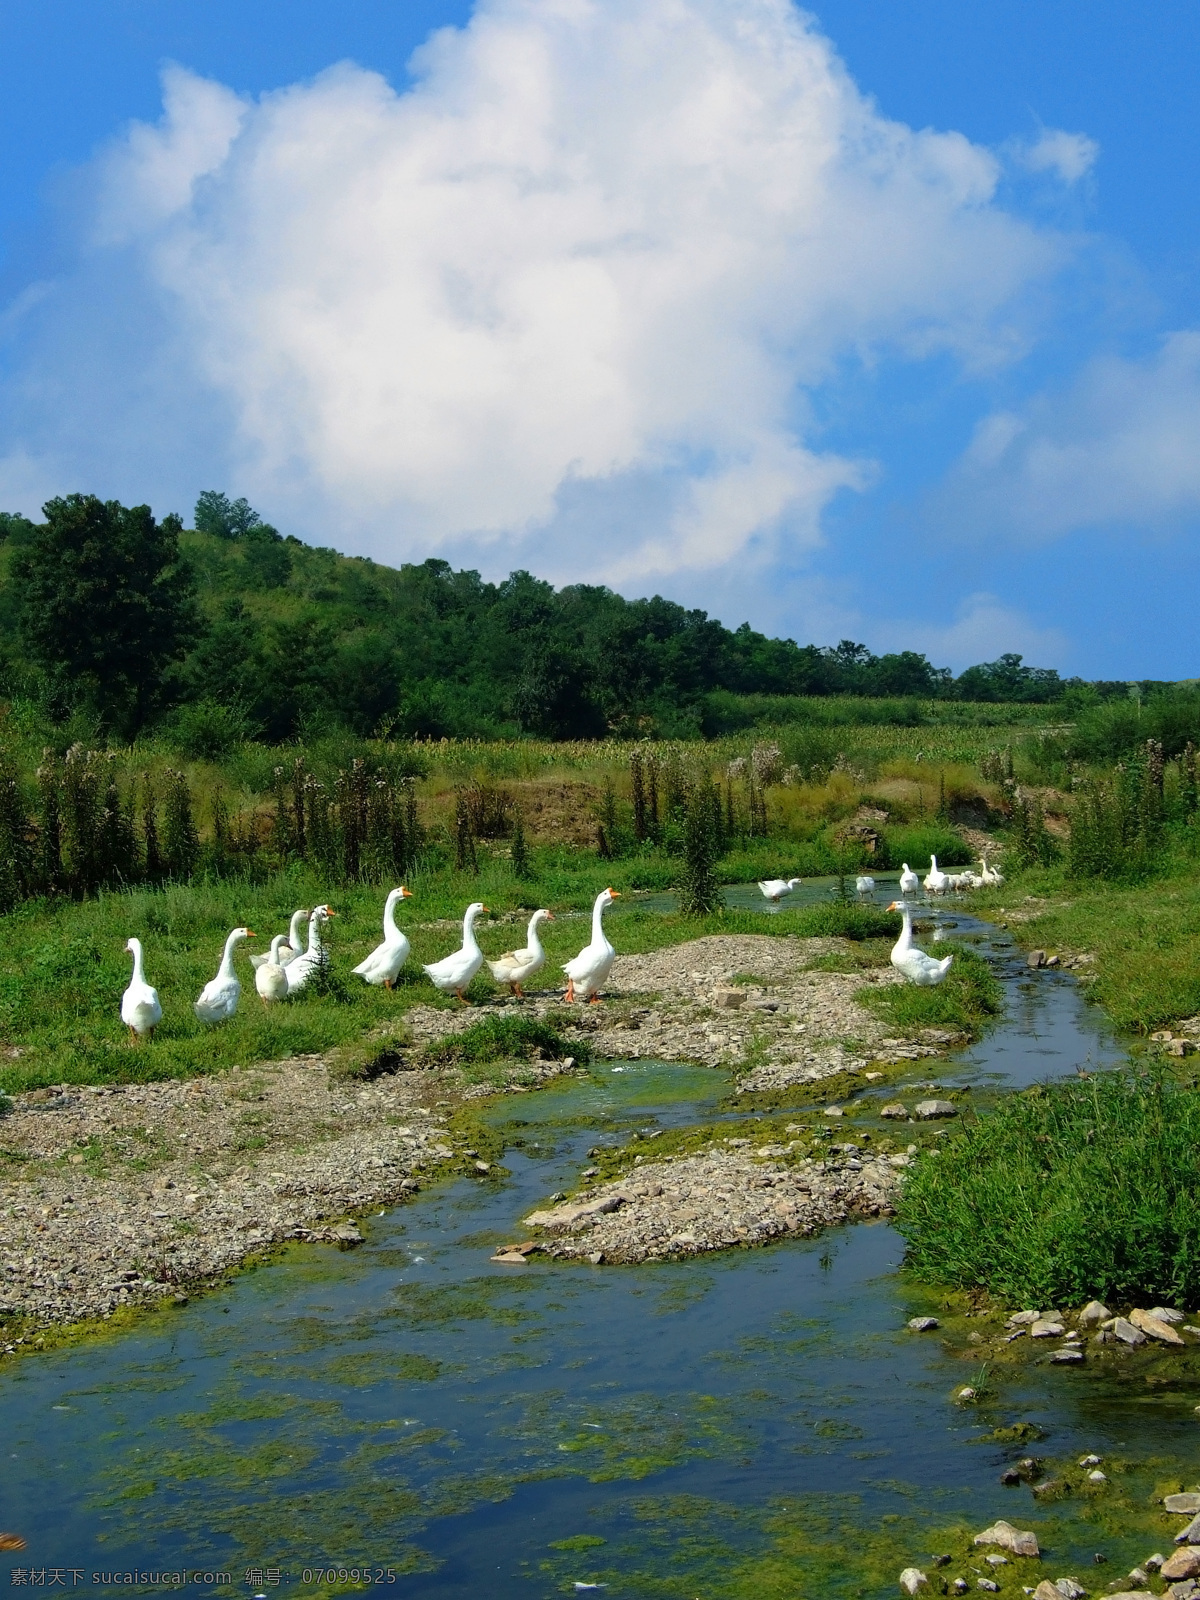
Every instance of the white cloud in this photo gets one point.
(1068, 156)
(600, 247)
(1122, 445)
(983, 629)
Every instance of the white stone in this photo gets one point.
(1020, 1542)
(913, 1580)
(1094, 1313)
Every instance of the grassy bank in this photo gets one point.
(63, 965)
(966, 999)
(1145, 937)
(1065, 1193)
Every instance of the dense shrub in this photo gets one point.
(1065, 1193)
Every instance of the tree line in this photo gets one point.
(230, 630)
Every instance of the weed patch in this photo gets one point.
(1064, 1193)
(965, 1000)
(501, 1039)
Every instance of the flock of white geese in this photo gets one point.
(911, 962)
(291, 964)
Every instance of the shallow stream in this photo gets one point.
(759, 1422)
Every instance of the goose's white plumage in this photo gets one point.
(915, 965)
(909, 882)
(992, 879)
(269, 978)
(385, 961)
(453, 973)
(514, 966)
(588, 971)
(301, 968)
(291, 944)
(776, 888)
(219, 999)
(141, 1010)
(965, 880)
(936, 881)
(864, 885)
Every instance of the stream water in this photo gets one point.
(758, 1422)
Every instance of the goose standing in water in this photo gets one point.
(936, 881)
(385, 961)
(909, 882)
(218, 1000)
(775, 888)
(453, 973)
(915, 965)
(864, 884)
(141, 1009)
(514, 966)
(588, 971)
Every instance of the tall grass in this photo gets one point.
(1065, 1193)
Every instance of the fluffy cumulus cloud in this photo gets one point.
(566, 298)
(1121, 446)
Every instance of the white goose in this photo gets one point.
(775, 888)
(453, 973)
(864, 884)
(514, 966)
(269, 978)
(141, 1009)
(936, 881)
(385, 961)
(589, 970)
(909, 882)
(291, 944)
(303, 967)
(992, 879)
(915, 965)
(219, 999)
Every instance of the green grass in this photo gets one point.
(501, 1038)
(967, 998)
(1146, 939)
(63, 965)
(1065, 1193)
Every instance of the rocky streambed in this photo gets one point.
(118, 1195)
(730, 1195)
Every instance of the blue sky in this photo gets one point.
(873, 320)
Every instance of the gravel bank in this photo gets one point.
(732, 1194)
(129, 1194)
(117, 1196)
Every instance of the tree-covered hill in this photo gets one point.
(103, 609)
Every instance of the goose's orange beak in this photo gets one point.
(406, 894)
(615, 893)
(895, 906)
(250, 933)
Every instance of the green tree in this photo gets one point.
(105, 605)
(216, 513)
